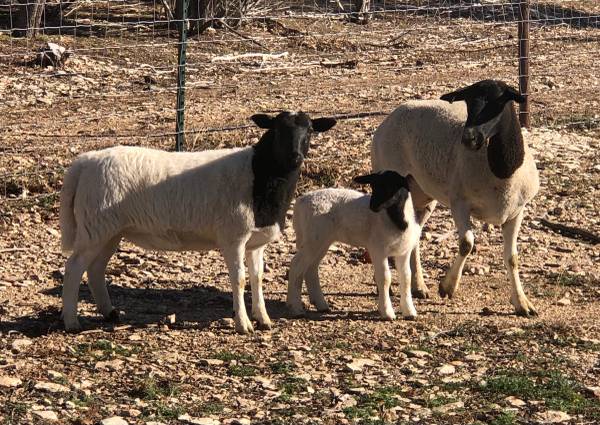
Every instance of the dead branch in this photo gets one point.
(7, 250)
(571, 232)
(262, 56)
(239, 34)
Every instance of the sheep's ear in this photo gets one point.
(366, 179)
(262, 120)
(323, 124)
(454, 96)
(512, 94)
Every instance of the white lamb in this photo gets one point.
(470, 156)
(384, 223)
(234, 200)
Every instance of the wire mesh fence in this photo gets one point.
(118, 83)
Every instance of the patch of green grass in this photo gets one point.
(504, 418)
(570, 280)
(102, 349)
(293, 385)
(370, 405)
(15, 409)
(440, 401)
(152, 389)
(241, 370)
(558, 391)
(84, 401)
(228, 356)
(425, 348)
(211, 408)
(166, 412)
(282, 368)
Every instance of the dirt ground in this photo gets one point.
(175, 357)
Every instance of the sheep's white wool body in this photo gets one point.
(326, 216)
(423, 138)
(161, 200)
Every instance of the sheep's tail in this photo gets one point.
(68, 225)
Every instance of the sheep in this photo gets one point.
(467, 152)
(384, 223)
(234, 200)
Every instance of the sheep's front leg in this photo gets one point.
(255, 269)
(518, 299)
(406, 303)
(383, 278)
(234, 258)
(460, 213)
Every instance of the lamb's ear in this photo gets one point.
(323, 124)
(366, 179)
(262, 120)
(454, 96)
(512, 94)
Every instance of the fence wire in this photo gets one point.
(118, 84)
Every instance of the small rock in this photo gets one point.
(51, 387)
(357, 365)
(266, 383)
(155, 423)
(227, 322)
(198, 421)
(9, 382)
(552, 417)
(564, 301)
(47, 415)
(19, 345)
(447, 369)
(110, 365)
(114, 420)
(595, 391)
(514, 401)
(474, 357)
(418, 354)
(210, 362)
(237, 421)
(52, 374)
(449, 407)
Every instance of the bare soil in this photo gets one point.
(465, 360)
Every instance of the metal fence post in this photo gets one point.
(181, 63)
(524, 115)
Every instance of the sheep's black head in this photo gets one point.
(389, 188)
(486, 101)
(289, 136)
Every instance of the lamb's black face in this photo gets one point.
(291, 133)
(388, 187)
(486, 101)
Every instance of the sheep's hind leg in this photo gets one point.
(77, 263)
(234, 258)
(406, 303)
(313, 284)
(383, 278)
(97, 283)
(295, 280)
(518, 299)
(255, 270)
(448, 286)
(418, 286)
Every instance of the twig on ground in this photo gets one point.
(571, 232)
(7, 250)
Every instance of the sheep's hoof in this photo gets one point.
(419, 293)
(114, 316)
(525, 308)
(264, 326)
(244, 327)
(410, 318)
(444, 292)
(296, 312)
(73, 328)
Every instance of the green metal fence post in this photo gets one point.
(181, 63)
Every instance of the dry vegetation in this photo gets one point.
(468, 360)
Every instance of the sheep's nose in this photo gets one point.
(472, 139)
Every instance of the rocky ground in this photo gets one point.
(175, 357)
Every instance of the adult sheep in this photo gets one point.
(234, 200)
(470, 156)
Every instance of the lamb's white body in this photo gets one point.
(326, 216)
(161, 201)
(423, 138)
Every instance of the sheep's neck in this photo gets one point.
(396, 214)
(273, 186)
(506, 151)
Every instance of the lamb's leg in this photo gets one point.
(518, 299)
(234, 258)
(97, 283)
(406, 303)
(460, 213)
(295, 280)
(313, 284)
(255, 269)
(418, 287)
(383, 278)
(77, 263)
